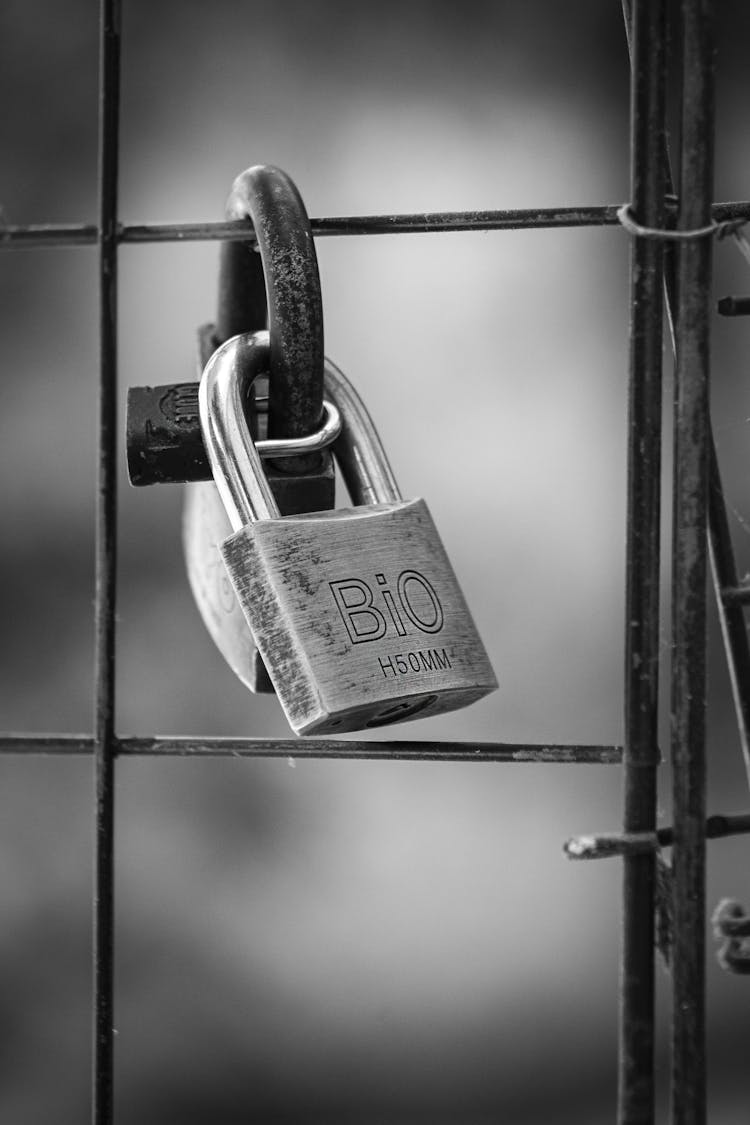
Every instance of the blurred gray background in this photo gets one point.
(354, 942)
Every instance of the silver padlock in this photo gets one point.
(356, 612)
(205, 525)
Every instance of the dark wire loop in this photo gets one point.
(276, 278)
(718, 230)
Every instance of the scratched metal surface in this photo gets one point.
(359, 616)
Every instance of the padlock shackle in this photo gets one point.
(275, 283)
(358, 449)
(234, 459)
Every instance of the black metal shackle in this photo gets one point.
(274, 282)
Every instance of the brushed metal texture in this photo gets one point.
(205, 524)
(358, 616)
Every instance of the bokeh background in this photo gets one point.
(351, 942)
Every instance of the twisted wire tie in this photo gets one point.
(720, 230)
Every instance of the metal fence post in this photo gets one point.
(641, 755)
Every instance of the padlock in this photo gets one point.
(205, 524)
(356, 612)
(278, 283)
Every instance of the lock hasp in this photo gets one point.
(358, 616)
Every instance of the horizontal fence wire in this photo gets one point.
(605, 845)
(45, 235)
(315, 748)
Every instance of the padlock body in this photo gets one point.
(358, 616)
(205, 525)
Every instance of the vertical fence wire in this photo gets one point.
(646, 24)
(106, 565)
(689, 563)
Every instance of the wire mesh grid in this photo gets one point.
(687, 273)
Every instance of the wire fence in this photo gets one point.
(682, 270)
